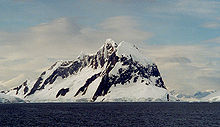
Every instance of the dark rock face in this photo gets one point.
(103, 88)
(123, 76)
(62, 92)
(19, 87)
(3, 91)
(36, 86)
(88, 82)
(25, 90)
(61, 71)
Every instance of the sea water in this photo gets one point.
(151, 114)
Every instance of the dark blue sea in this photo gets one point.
(111, 114)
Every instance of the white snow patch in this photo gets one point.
(128, 50)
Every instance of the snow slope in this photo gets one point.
(116, 72)
(214, 97)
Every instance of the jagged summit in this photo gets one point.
(105, 51)
(110, 41)
(122, 49)
(109, 44)
(116, 72)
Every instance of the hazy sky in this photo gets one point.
(181, 36)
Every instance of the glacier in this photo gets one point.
(10, 99)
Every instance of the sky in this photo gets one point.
(181, 36)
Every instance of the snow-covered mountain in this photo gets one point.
(116, 72)
(213, 97)
(199, 96)
(202, 94)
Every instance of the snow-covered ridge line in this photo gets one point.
(116, 72)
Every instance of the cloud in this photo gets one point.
(211, 25)
(27, 52)
(186, 68)
(180, 60)
(1, 85)
(214, 40)
(120, 25)
(13, 82)
(195, 8)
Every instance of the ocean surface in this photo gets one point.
(111, 114)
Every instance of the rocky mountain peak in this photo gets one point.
(115, 71)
